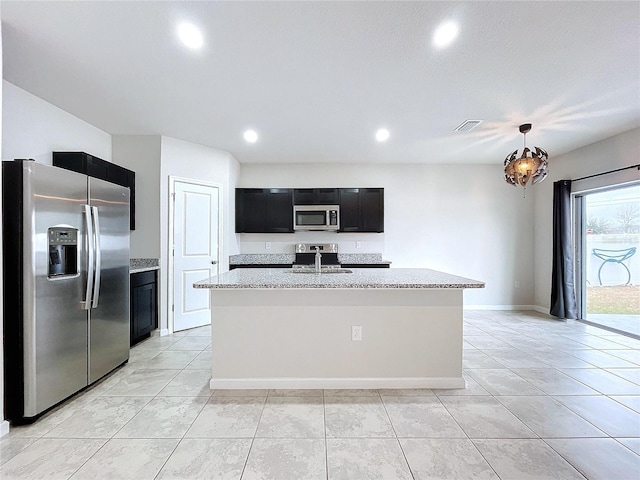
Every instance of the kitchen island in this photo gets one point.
(275, 328)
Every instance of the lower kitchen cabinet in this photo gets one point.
(144, 305)
(289, 265)
(365, 265)
(260, 265)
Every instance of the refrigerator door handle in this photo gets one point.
(96, 234)
(86, 305)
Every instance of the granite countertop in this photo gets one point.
(289, 258)
(137, 265)
(262, 258)
(360, 278)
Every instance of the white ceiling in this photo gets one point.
(317, 79)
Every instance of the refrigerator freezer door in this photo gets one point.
(55, 325)
(109, 316)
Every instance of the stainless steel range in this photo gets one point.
(316, 257)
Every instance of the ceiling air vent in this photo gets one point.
(468, 125)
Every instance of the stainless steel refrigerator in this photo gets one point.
(66, 284)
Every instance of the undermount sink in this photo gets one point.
(322, 271)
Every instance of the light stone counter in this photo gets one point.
(137, 265)
(289, 258)
(373, 328)
(262, 258)
(360, 278)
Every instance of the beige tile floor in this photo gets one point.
(544, 400)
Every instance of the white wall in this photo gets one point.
(33, 128)
(610, 154)
(189, 160)
(141, 153)
(459, 219)
(155, 159)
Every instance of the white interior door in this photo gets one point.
(195, 251)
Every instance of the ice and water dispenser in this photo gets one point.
(63, 251)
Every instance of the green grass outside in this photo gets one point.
(620, 300)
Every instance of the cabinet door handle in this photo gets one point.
(214, 262)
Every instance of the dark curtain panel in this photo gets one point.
(563, 295)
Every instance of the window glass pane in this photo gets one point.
(612, 258)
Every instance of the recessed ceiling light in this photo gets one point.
(445, 34)
(190, 35)
(382, 135)
(251, 136)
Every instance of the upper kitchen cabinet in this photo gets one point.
(315, 196)
(361, 209)
(251, 210)
(264, 210)
(97, 168)
(279, 210)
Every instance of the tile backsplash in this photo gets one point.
(284, 243)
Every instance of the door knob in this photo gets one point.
(214, 262)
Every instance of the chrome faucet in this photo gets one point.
(318, 261)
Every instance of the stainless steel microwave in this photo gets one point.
(316, 217)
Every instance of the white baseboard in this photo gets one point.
(164, 332)
(4, 428)
(336, 383)
(500, 307)
(531, 308)
(540, 309)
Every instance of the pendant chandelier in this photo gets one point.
(531, 166)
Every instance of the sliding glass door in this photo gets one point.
(608, 253)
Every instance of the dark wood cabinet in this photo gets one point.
(264, 210)
(251, 210)
(279, 210)
(372, 209)
(270, 210)
(365, 265)
(362, 209)
(289, 265)
(144, 305)
(349, 209)
(315, 196)
(95, 167)
(260, 265)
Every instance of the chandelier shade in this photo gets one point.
(531, 166)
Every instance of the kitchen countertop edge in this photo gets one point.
(142, 269)
(139, 265)
(400, 278)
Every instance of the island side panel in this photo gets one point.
(301, 338)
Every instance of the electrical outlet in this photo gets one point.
(516, 284)
(267, 245)
(358, 244)
(356, 333)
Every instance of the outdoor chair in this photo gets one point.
(614, 256)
